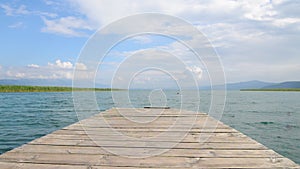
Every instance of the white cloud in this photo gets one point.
(20, 75)
(261, 10)
(106, 11)
(57, 70)
(70, 26)
(275, 72)
(226, 23)
(205, 12)
(286, 21)
(63, 65)
(158, 67)
(7, 9)
(22, 10)
(254, 32)
(195, 70)
(50, 2)
(33, 66)
(144, 39)
(269, 12)
(277, 2)
(225, 35)
(81, 66)
(17, 25)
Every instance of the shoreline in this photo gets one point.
(27, 89)
(273, 90)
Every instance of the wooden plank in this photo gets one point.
(208, 144)
(152, 123)
(150, 130)
(124, 125)
(208, 153)
(146, 144)
(171, 162)
(165, 124)
(207, 137)
(10, 165)
(141, 111)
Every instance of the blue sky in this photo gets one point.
(23, 40)
(254, 39)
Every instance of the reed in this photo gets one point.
(15, 88)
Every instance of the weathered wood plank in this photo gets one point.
(161, 161)
(208, 144)
(10, 165)
(196, 138)
(146, 144)
(208, 153)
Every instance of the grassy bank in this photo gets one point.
(8, 88)
(279, 90)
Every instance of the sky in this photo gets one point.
(255, 39)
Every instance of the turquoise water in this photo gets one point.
(271, 118)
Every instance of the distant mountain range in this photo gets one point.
(291, 84)
(255, 84)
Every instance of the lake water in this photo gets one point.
(271, 118)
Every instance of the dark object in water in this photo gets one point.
(149, 107)
(266, 122)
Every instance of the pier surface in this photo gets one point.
(109, 140)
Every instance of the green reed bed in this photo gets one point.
(13, 88)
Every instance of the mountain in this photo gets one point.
(45, 82)
(254, 84)
(290, 84)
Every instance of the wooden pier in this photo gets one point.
(91, 144)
